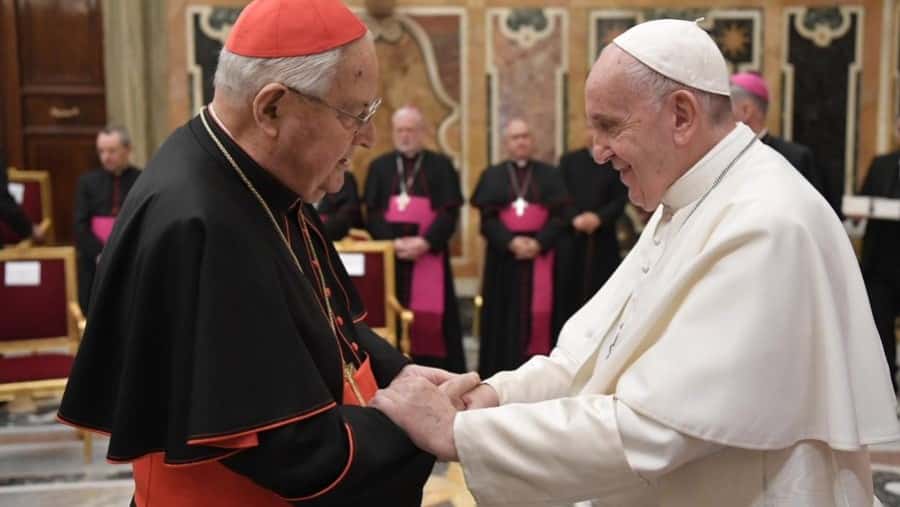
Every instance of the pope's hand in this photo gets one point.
(483, 396)
(459, 385)
(423, 411)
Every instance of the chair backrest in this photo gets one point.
(36, 201)
(371, 267)
(37, 289)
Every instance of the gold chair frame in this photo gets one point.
(42, 178)
(392, 307)
(23, 392)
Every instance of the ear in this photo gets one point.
(266, 108)
(686, 113)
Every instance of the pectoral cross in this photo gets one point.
(519, 205)
(403, 201)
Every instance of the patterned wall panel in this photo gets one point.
(527, 66)
(822, 78)
(738, 32)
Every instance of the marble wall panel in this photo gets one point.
(822, 72)
(527, 65)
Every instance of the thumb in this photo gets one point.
(460, 384)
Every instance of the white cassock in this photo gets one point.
(731, 360)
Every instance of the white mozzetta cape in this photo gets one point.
(750, 328)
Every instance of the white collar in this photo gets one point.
(701, 177)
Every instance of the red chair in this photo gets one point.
(371, 267)
(36, 203)
(40, 324)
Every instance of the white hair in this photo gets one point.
(243, 76)
(649, 83)
(739, 93)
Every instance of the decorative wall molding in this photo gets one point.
(521, 46)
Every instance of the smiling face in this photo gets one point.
(631, 130)
(315, 142)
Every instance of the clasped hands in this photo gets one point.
(524, 247)
(424, 401)
(410, 248)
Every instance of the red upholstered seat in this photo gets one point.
(35, 367)
(31, 205)
(371, 289)
(35, 312)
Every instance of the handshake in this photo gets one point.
(424, 401)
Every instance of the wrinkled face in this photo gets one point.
(112, 153)
(630, 131)
(519, 143)
(316, 143)
(408, 132)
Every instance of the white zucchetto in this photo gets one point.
(679, 50)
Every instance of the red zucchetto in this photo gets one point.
(285, 28)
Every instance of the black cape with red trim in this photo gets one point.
(201, 326)
(506, 284)
(438, 181)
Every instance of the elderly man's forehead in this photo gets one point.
(407, 117)
(517, 127)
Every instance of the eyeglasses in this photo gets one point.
(359, 120)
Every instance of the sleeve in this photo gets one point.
(611, 210)
(386, 360)
(438, 235)
(551, 452)
(556, 198)
(89, 247)
(496, 233)
(346, 214)
(570, 211)
(346, 456)
(376, 198)
(654, 449)
(10, 212)
(554, 372)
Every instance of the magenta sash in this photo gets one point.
(102, 227)
(426, 298)
(534, 217)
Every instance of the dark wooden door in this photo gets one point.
(55, 96)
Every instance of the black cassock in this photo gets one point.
(507, 282)
(587, 260)
(341, 211)
(881, 255)
(10, 212)
(203, 331)
(99, 193)
(438, 181)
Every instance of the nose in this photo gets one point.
(365, 137)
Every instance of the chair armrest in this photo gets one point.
(76, 314)
(406, 319)
(476, 318)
